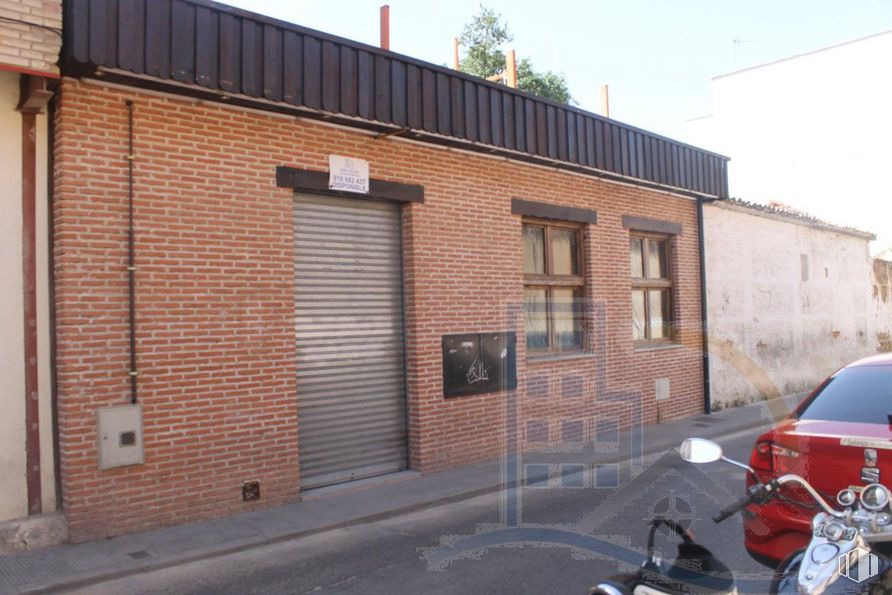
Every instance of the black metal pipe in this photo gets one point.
(701, 240)
(51, 242)
(131, 266)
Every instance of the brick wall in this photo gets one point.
(215, 287)
(25, 46)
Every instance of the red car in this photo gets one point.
(838, 437)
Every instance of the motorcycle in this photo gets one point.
(849, 551)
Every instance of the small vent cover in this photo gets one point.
(250, 490)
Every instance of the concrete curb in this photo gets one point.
(92, 577)
(33, 533)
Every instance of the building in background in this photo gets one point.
(790, 298)
(30, 39)
(347, 263)
(811, 131)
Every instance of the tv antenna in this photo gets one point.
(737, 43)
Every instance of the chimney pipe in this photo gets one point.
(511, 70)
(385, 27)
(605, 101)
(455, 63)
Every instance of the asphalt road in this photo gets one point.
(567, 538)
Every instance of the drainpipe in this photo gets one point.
(34, 93)
(704, 310)
(29, 278)
(51, 242)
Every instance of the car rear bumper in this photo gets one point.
(774, 530)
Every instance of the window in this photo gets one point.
(651, 289)
(554, 288)
(860, 394)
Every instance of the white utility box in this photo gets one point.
(120, 436)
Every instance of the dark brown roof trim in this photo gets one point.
(654, 225)
(529, 208)
(194, 46)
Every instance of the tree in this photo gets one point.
(484, 39)
(545, 84)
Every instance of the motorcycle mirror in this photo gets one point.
(700, 450)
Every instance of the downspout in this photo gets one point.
(29, 283)
(34, 93)
(704, 310)
(51, 255)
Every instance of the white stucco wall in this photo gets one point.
(13, 494)
(771, 332)
(882, 302)
(13, 487)
(808, 131)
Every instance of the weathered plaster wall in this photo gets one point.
(882, 303)
(788, 303)
(13, 503)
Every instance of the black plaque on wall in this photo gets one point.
(477, 363)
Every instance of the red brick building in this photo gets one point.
(293, 335)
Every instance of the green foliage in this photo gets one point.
(544, 84)
(484, 39)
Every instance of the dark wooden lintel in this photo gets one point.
(653, 225)
(316, 182)
(529, 208)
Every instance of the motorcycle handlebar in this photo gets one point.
(790, 477)
(727, 511)
(762, 493)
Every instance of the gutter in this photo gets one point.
(704, 310)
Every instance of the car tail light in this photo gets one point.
(767, 454)
(761, 459)
(770, 459)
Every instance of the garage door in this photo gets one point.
(351, 392)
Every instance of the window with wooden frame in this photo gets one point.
(554, 287)
(651, 288)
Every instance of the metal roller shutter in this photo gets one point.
(351, 391)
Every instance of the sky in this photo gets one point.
(658, 57)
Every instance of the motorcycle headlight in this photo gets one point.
(874, 497)
(846, 497)
(834, 531)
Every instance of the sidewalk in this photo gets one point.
(74, 566)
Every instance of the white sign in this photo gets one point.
(348, 174)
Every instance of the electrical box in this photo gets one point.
(120, 436)
(661, 389)
(478, 363)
